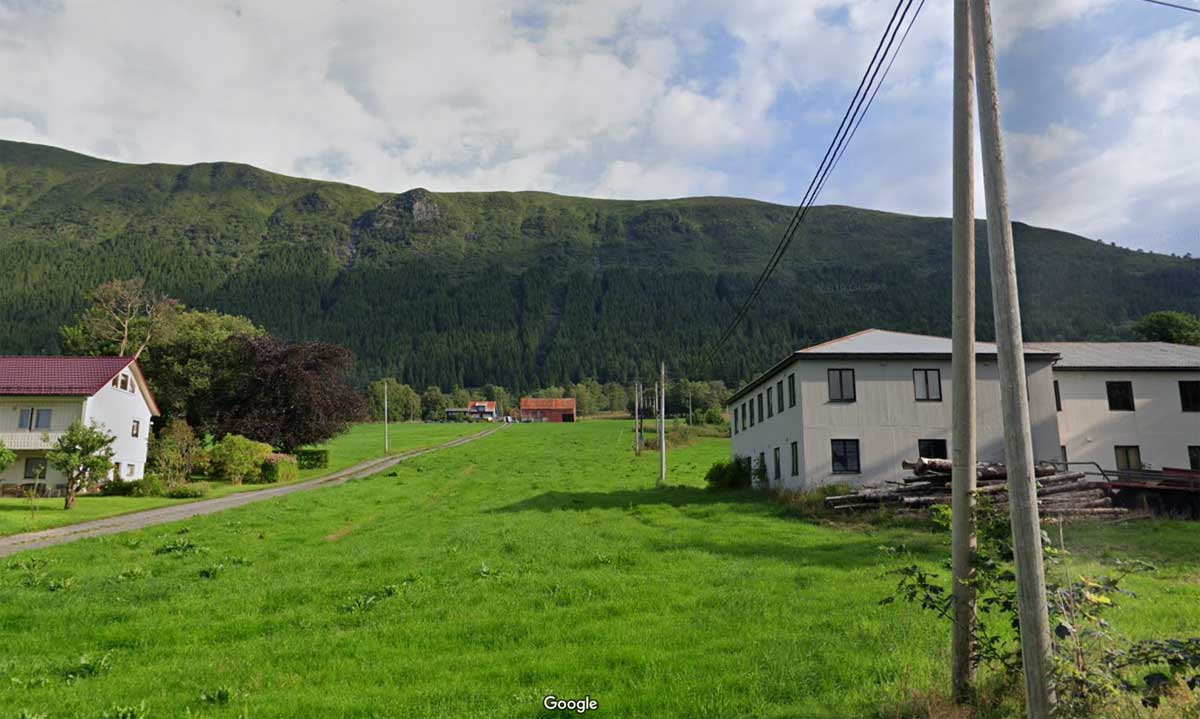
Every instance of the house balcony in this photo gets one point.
(30, 440)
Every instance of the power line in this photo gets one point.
(851, 120)
(1173, 5)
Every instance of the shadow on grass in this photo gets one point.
(626, 498)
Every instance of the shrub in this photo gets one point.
(734, 474)
(190, 490)
(119, 488)
(151, 485)
(238, 459)
(175, 452)
(279, 468)
(312, 458)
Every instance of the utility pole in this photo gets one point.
(689, 404)
(662, 426)
(1014, 403)
(385, 417)
(962, 369)
(637, 419)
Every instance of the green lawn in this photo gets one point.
(473, 582)
(359, 443)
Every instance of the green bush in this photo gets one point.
(734, 474)
(119, 488)
(190, 490)
(312, 458)
(238, 459)
(279, 468)
(151, 485)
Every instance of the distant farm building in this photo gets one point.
(482, 411)
(537, 409)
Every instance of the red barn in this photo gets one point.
(535, 409)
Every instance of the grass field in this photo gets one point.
(359, 443)
(473, 582)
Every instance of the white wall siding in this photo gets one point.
(1158, 425)
(115, 409)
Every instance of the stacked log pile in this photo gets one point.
(1061, 495)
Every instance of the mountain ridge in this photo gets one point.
(520, 288)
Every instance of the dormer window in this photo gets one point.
(124, 384)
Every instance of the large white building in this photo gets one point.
(41, 396)
(852, 409)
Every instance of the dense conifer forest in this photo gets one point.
(519, 289)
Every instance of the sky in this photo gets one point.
(614, 98)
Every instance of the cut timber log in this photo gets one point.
(983, 470)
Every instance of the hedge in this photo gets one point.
(312, 458)
(280, 468)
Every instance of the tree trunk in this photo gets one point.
(70, 500)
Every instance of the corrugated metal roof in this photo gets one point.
(1121, 355)
(534, 403)
(58, 376)
(874, 341)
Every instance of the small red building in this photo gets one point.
(537, 409)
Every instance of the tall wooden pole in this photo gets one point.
(385, 417)
(637, 418)
(1018, 446)
(962, 369)
(662, 425)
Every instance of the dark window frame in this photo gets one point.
(25, 418)
(792, 389)
(1194, 457)
(1118, 399)
(743, 416)
(945, 448)
(778, 466)
(779, 395)
(841, 385)
(751, 411)
(845, 446)
(795, 459)
(924, 384)
(37, 419)
(1057, 397)
(1125, 448)
(760, 408)
(734, 425)
(770, 404)
(1189, 395)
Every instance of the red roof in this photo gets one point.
(534, 403)
(487, 406)
(65, 376)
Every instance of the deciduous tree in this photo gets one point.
(1166, 326)
(84, 455)
(124, 318)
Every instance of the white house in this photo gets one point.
(1128, 405)
(852, 409)
(41, 396)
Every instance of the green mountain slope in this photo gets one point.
(519, 289)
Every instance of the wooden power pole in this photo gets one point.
(637, 418)
(962, 369)
(1018, 446)
(385, 417)
(662, 425)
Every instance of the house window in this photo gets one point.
(751, 413)
(124, 383)
(760, 407)
(932, 449)
(42, 419)
(1189, 395)
(129, 470)
(791, 390)
(137, 428)
(1057, 398)
(770, 404)
(928, 385)
(778, 471)
(845, 456)
(1128, 457)
(26, 419)
(116, 474)
(841, 385)
(1062, 452)
(744, 413)
(779, 394)
(735, 420)
(1194, 458)
(1120, 396)
(35, 469)
(796, 459)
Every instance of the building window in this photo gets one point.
(25, 421)
(744, 413)
(1128, 457)
(779, 395)
(35, 469)
(762, 464)
(751, 412)
(1189, 395)
(845, 456)
(129, 470)
(1120, 396)
(116, 474)
(137, 428)
(791, 390)
(1062, 452)
(1057, 398)
(1194, 458)
(841, 385)
(124, 383)
(796, 459)
(928, 385)
(932, 449)
(760, 407)
(778, 471)
(42, 419)
(770, 404)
